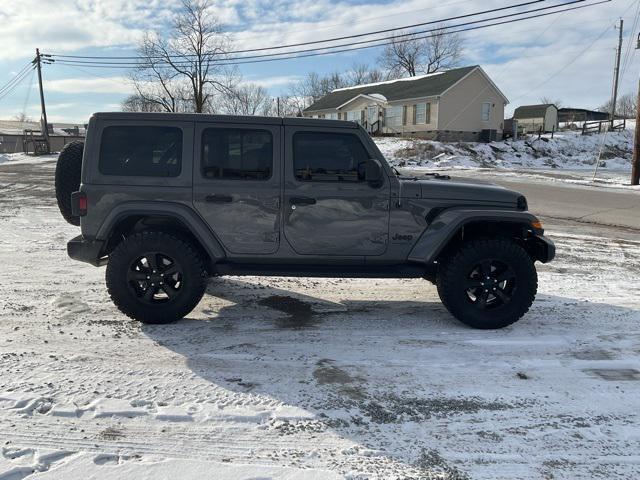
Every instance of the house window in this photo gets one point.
(422, 113)
(486, 111)
(353, 115)
(393, 116)
(332, 116)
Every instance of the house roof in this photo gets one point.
(532, 111)
(16, 127)
(413, 87)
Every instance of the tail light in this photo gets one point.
(78, 204)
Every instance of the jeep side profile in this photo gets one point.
(167, 200)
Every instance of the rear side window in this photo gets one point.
(141, 151)
(237, 154)
(328, 157)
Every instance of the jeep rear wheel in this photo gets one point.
(155, 277)
(67, 178)
(488, 284)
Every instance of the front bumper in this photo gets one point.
(542, 248)
(84, 250)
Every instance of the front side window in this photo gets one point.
(237, 154)
(328, 157)
(486, 111)
(141, 151)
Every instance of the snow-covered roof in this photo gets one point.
(387, 82)
(421, 86)
(376, 97)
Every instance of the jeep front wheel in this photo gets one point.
(155, 277)
(488, 284)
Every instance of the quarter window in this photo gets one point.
(237, 154)
(328, 157)
(141, 151)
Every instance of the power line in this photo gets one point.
(630, 49)
(394, 39)
(346, 37)
(566, 65)
(367, 19)
(15, 82)
(326, 51)
(16, 78)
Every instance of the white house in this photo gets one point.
(457, 104)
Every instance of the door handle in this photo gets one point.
(217, 198)
(302, 201)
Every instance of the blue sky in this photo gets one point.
(567, 57)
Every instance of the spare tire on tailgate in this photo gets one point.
(68, 178)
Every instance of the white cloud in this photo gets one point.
(273, 81)
(90, 85)
(521, 57)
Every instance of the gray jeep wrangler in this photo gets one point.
(168, 200)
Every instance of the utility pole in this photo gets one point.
(45, 124)
(278, 105)
(635, 163)
(614, 100)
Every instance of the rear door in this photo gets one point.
(329, 209)
(236, 184)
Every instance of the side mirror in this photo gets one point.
(373, 172)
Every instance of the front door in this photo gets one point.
(372, 114)
(328, 207)
(236, 185)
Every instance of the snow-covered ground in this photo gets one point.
(310, 378)
(567, 157)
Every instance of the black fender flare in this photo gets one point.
(184, 214)
(443, 228)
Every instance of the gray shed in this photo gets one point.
(532, 118)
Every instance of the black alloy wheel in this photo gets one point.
(155, 278)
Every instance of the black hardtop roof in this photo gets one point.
(231, 119)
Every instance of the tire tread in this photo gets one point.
(120, 256)
(446, 279)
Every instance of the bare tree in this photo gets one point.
(22, 117)
(444, 50)
(181, 72)
(137, 103)
(361, 73)
(550, 101)
(403, 56)
(411, 55)
(247, 99)
(627, 105)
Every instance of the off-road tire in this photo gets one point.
(193, 274)
(67, 179)
(454, 271)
